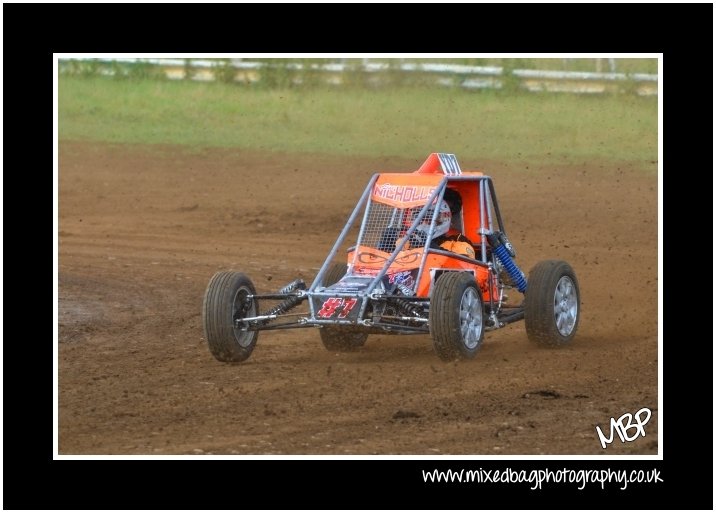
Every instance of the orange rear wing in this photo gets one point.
(443, 164)
(406, 190)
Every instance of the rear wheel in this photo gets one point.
(338, 339)
(226, 299)
(552, 303)
(457, 324)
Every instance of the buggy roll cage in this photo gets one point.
(487, 205)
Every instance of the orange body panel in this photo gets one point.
(404, 190)
(469, 191)
(436, 262)
(370, 261)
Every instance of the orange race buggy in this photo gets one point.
(399, 278)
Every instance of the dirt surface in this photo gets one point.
(143, 229)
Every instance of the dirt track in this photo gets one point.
(142, 229)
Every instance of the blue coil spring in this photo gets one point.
(517, 277)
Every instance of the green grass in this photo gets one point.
(405, 122)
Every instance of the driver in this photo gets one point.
(454, 240)
(443, 219)
(444, 237)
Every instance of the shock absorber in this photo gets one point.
(294, 285)
(501, 248)
(408, 307)
(290, 302)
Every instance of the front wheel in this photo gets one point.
(226, 300)
(552, 303)
(457, 323)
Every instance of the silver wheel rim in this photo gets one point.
(470, 318)
(244, 338)
(565, 306)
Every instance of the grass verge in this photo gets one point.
(406, 122)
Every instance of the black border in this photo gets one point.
(32, 480)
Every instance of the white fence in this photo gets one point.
(469, 77)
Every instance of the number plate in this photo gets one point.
(336, 308)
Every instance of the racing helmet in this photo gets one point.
(442, 221)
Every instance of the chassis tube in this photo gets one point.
(488, 204)
(342, 236)
(493, 198)
(441, 188)
(481, 199)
